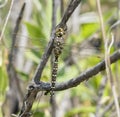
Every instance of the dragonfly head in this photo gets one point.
(60, 32)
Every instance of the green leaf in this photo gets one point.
(3, 74)
(34, 30)
(88, 29)
(39, 114)
(23, 75)
(36, 34)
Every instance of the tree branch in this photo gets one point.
(13, 77)
(61, 7)
(70, 9)
(86, 75)
(16, 29)
(32, 91)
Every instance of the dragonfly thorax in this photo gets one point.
(58, 46)
(58, 42)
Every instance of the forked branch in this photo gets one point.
(32, 92)
(33, 89)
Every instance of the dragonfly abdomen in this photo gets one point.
(57, 50)
(54, 75)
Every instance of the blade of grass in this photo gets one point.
(107, 58)
(6, 21)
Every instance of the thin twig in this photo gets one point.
(106, 109)
(44, 60)
(16, 29)
(100, 95)
(54, 11)
(11, 68)
(107, 59)
(6, 21)
(70, 9)
(61, 7)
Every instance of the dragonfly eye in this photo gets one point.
(59, 32)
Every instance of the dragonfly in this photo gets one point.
(76, 49)
(57, 50)
(36, 46)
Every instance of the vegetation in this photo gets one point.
(84, 87)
